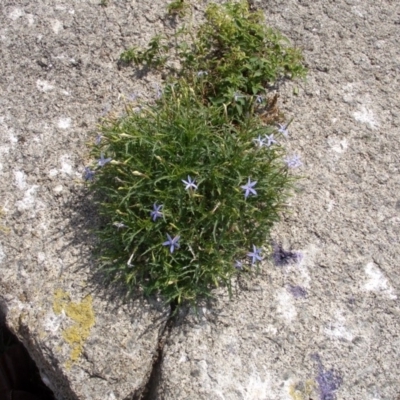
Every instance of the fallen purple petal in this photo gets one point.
(285, 257)
(298, 292)
(328, 382)
(88, 175)
(293, 161)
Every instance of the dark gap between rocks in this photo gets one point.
(20, 377)
(149, 391)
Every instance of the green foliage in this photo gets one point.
(178, 7)
(154, 56)
(199, 164)
(238, 55)
(152, 152)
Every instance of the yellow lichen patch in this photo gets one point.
(83, 317)
(302, 391)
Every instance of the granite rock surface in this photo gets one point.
(321, 321)
(324, 325)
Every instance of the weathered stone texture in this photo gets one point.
(267, 344)
(59, 75)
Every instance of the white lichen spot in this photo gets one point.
(13, 139)
(64, 123)
(258, 388)
(20, 179)
(337, 328)
(286, 309)
(16, 13)
(2, 255)
(330, 203)
(30, 18)
(366, 116)
(183, 358)
(52, 322)
(58, 189)
(270, 329)
(377, 282)
(339, 146)
(41, 257)
(29, 199)
(53, 172)
(66, 167)
(44, 86)
(56, 25)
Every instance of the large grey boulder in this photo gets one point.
(318, 326)
(337, 336)
(59, 75)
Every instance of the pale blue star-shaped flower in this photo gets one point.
(248, 188)
(172, 243)
(255, 255)
(293, 161)
(284, 130)
(202, 73)
(269, 140)
(259, 142)
(238, 264)
(88, 175)
(98, 139)
(103, 161)
(190, 184)
(156, 213)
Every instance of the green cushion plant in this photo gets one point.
(190, 186)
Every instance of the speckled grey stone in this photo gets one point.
(59, 75)
(343, 337)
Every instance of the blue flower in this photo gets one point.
(249, 188)
(103, 161)
(156, 213)
(172, 243)
(293, 161)
(284, 130)
(255, 255)
(202, 73)
(259, 142)
(269, 140)
(88, 175)
(98, 139)
(259, 99)
(238, 264)
(189, 183)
